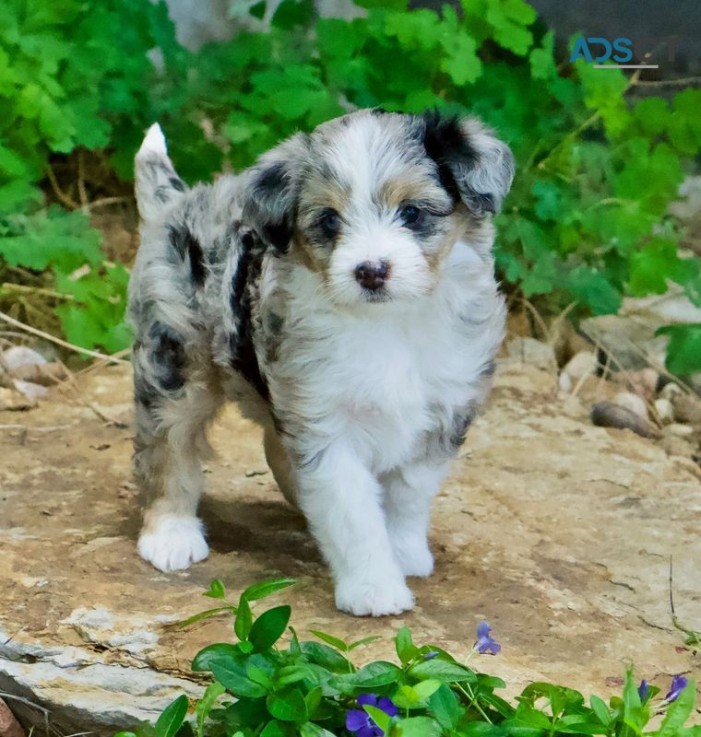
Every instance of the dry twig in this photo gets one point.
(58, 341)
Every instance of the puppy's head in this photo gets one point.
(374, 201)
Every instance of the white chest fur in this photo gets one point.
(384, 375)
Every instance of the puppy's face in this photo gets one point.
(373, 202)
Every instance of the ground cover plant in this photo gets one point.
(585, 224)
(270, 683)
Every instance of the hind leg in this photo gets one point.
(279, 462)
(172, 414)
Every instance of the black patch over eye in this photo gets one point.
(412, 216)
(329, 222)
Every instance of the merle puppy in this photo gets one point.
(342, 292)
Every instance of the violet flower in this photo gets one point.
(643, 690)
(678, 685)
(485, 644)
(360, 722)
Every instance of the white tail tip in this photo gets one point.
(154, 143)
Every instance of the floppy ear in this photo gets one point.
(271, 200)
(473, 165)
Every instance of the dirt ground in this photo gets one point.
(558, 533)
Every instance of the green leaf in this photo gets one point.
(219, 652)
(444, 705)
(417, 727)
(288, 707)
(206, 704)
(244, 619)
(331, 640)
(603, 713)
(654, 264)
(363, 641)
(379, 717)
(684, 124)
(684, 349)
(216, 590)
(266, 588)
(592, 289)
(274, 729)
(326, 657)
(206, 615)
(406, 650)
(678, 712)
(269, 627)
(234, 678)
(442, 670)
(309, 729)
(510, 20)
(542, 60)
(172, 718)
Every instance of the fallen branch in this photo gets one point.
(58, 341)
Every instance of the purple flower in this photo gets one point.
(359, 721)
(643, 690)
(678, 685)
(485, 644)
(431, 655)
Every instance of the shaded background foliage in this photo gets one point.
(585, 224)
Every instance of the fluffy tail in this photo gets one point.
(157, 183)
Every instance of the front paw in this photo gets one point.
(413, 556)
(374, 597)
(172, 543)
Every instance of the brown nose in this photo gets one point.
(372, 275)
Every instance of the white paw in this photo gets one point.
(173, 543)
(374, 598)
(414, 557)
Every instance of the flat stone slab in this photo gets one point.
(557, 532)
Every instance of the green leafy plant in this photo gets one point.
(261, 686)
(585, 224)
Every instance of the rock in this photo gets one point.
(32, 391)
(564, 381)
(45, 374)
(681, 431)
(553, 530)
(687, 408)
(643, 382)
(629, 343)
(533, 352)
(18, 356)
(9, 726)
(675, 445)
(608, 414)
(15, 401)
(664, 411)
(670, 390)
(582, 364)
(632, 402)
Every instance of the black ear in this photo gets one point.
(270, 205)
(473, 165)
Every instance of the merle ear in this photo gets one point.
(270, 205)
(473, 165)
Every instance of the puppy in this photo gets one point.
(342, 292)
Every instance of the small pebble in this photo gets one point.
(665, 410)
(681, 431)
(608, 414)
(632, 402)
(687, 408)
(670, 390)
(565, 382)
(581, 364)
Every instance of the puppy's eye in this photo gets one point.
(330, 222)
(411, 216)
